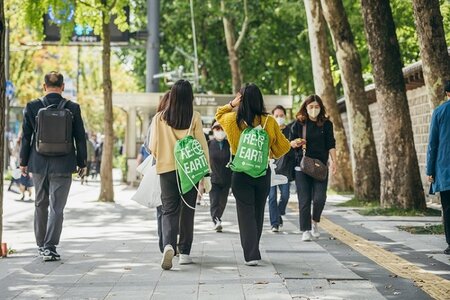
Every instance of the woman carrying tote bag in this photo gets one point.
(313, 132)
(174, 123)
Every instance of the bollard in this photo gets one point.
(4, 250)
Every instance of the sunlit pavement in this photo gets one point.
(109, 251)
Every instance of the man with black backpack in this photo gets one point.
(50, 127)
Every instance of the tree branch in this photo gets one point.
(112, 5)
(87, 4)
(244, 28)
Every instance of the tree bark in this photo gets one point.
(233, 45)
(106, 188)
(401, 186)
(2, 109)
(366, 172)
(433, 48)
(324, 87)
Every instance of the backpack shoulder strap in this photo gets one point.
(44, 101)
(62, 103)
(267, 118)
(190, 126)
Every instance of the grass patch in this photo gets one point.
(427, 229)
(354, 202)
(378, 211)
(368, 208)
(342, 193)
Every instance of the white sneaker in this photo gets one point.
(166, 261)
(251, 263)
(307, 237)
(185, 259)
(218, 226)
(315, 230)
(275, 229)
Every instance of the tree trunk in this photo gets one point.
(2, 109)
(433, 48)
(233, 58)
(401, 186)
(106, 188)
(366, 172)
(323, 84)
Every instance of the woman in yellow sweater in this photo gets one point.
(177, 120)
(248, 110)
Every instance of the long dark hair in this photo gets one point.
(302, 114)
(163, 102)
(179, 109)
(251, 106)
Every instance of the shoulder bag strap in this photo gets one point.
(304, 137)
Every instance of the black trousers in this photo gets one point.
(251, 195)
(445, 200)
(159, 225)
(310, 190)
(218, 197)
(177, 218)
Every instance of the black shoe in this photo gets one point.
(281, 221)
(50, 255)
(41, 251)
(447, 251)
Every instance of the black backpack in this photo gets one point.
(53, 132)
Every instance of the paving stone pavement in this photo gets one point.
(110, 251)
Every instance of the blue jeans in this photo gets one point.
(278, 209)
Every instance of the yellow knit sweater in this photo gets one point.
(163, 139)
(278, 143)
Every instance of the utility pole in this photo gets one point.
(195, 47)
(153, 12)
(7, 100)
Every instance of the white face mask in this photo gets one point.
(280, 120)
(219, 135)
(313, 112)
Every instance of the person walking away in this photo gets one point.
(320, 144)
(174, 123)
(98, 154)
(284, 166)
(219, 155)
(52, 163)
(90, 159)
(161, 107)
(438, 159)
(247, 110)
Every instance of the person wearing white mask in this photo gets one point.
(219, 155)
(284, 166)
(320, 144)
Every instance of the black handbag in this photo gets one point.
(312, 166)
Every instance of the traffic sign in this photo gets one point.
(9, 89)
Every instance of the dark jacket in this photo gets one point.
(286, 163)
(319, 140)
(41, 164)
(438, 154)
(219, 157)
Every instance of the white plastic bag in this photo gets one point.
(276, 179)
(146, 163)
(149, 191)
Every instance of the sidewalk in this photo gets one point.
(109, 251)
